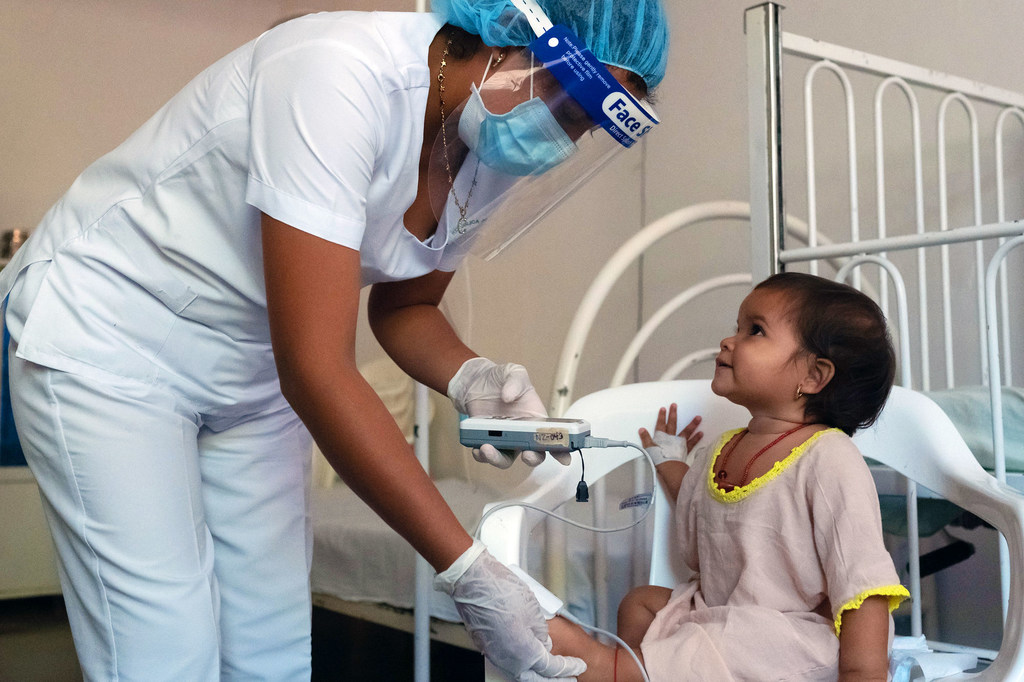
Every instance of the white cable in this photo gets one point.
(564, 613)
(589, 442)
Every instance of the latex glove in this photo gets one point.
(503, 618)
(483, 388)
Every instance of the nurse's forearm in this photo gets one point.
(361, 441)
(312, 306)
(409, 326)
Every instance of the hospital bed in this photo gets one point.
(938, 262)
(944, 274)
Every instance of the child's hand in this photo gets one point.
(665, 444)
(666, 423)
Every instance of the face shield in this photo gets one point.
(547, 118)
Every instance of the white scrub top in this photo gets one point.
(318, 123)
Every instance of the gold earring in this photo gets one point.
(499, 60)
(799, 393)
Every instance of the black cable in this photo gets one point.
(582, 492)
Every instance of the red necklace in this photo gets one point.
(750, 463)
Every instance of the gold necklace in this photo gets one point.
(463, 207)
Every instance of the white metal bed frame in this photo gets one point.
(766, 45)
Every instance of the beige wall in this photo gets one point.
(77, 77)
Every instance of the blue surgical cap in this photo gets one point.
(631, 34)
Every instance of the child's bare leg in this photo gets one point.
(571, 640)
(636, 612)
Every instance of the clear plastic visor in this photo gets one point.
(522, 142)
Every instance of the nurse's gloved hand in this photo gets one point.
(503, 618)
(483, 388)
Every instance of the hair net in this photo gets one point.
(631, 34)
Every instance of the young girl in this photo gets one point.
(779, 521)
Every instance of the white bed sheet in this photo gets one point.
(357, 557)
(970, 409)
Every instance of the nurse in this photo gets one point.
(183, 320)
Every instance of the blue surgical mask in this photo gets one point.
(524, 141)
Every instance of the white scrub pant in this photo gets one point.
(182, 531)
(183, 552)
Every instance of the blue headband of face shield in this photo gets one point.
(589, 82)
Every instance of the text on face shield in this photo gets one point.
(626, 116)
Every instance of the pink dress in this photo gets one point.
(776, 563)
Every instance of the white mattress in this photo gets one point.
(357, 557)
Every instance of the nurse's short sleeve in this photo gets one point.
(317, 109)
(848, 525)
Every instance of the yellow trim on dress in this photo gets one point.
(895, 593)
(740, 492)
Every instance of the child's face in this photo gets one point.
(760, 366)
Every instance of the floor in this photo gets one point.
(343, 645)
(35, 641)
(36, 646)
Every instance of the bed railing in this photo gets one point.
(770, 53)
(611, 272)
(895, 244)
(767, 45)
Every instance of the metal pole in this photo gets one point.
(424, 572)
(764, 109)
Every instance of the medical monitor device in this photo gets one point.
(522, 433)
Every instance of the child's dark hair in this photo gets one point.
(838, 323)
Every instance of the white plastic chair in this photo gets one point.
(614, 413)
(912, 435)
(916, 438)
